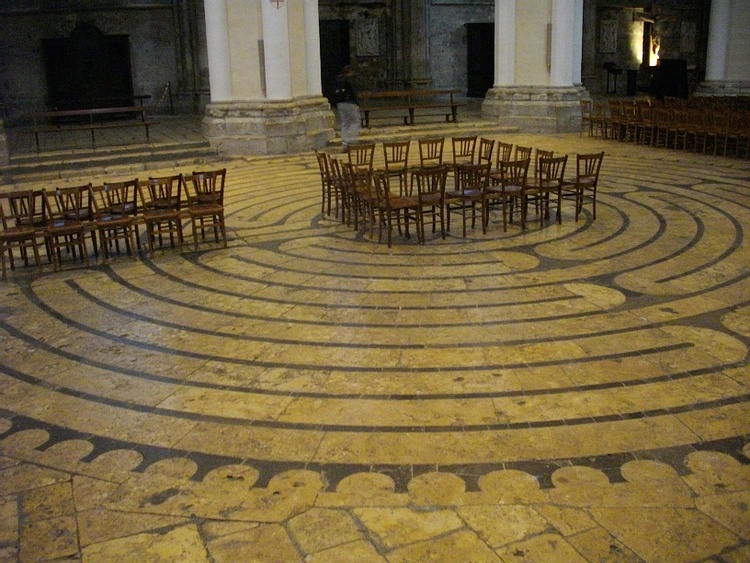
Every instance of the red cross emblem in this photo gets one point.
(277, 3)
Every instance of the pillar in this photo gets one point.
(264, 68)
(728, 50)
(217, 40)
(538, 50)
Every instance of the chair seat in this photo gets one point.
(113, 221)
(64, 227)
(20, 232)
(199, 209)
(160, 214)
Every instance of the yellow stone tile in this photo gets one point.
(180, 544)
(48, 502)
(265, 543)
(49, 538)
(567, 521)
(461, 546)
(502, 525)
(8, 519)
(321, 529)
(664, 534)
(396, 527)
(100, 525)
(354, 551)
(596, 544)
(543, 547)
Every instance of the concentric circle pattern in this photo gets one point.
(307, 345)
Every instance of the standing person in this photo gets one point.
(348, 107)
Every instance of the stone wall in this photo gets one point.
(23, 84)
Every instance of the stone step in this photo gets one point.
(129, 159)
(383, 133)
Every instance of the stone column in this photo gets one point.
(272, 101)
(217, 40)
(4, 152)
(277, 60)
(728, 52)
(417, 39)
(537, 80)
(312, 48)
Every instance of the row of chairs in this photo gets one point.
(709, 126)
(362, 193)
(110, 214)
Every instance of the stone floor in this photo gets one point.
(574, 392)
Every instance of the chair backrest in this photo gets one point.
(588, 166)
(17, 209)
(324, 166)
(504, 152)
(431, 151)
(72, 203)
(382, 185)
(522, 153)
(121, 198)
(430, 182)
(464, 149)
(471, 177)
(163, 192)
(361, 155)
(356, 181)
(206, 187)
(540, 154)
(514, 172)
(486, 147)
(396, 155)
(552, 169)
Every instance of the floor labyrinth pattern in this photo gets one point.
(575, 380)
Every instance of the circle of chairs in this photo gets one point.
(479, 176)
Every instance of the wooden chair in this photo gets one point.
(392, 206)
(327, 191)
(340, 184)
(550, 174)
(121, 200)
(585, 184)
(431, 151)
(396, 158)
(361, 155)
(114, 217)
(205, 196)
(522, 153)
(162, 200)
(485, 150)
(430, 184)
(586, 118)
(464, 149)
(70, 210)
(472, 181)
(17, 213)
(512, 179)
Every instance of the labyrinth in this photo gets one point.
(308, 357)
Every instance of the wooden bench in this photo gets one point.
(406, 104)
(90, 120)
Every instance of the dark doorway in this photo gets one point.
(480, 42)
(334, 52)
(88, 70)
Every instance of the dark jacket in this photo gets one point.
(345, 91)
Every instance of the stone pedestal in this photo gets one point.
(269, 126)
(535, 109)
(723, 88)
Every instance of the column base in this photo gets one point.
(723, 88)
(269, 126)
(536, 109)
